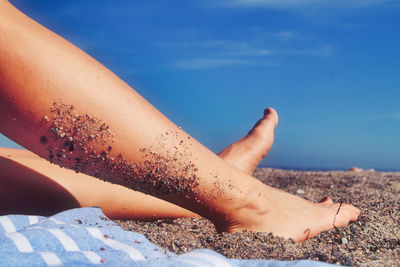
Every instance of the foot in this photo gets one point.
(289, 216)
(249, 151)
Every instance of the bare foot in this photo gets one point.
(273, 210)
(289, 216)
(248, 152)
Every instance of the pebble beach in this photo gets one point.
(373, 240)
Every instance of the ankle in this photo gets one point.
(249, 211)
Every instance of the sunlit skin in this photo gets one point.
(72, 189)
(249, 151)
(38, 68)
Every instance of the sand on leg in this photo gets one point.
(65, 106)
(32, 185)
(53, 189)
(22, 171)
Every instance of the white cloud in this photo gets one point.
(209, 44)
(209, 63)
(392, 115)
(316, 50)
(319, 50)
(251, 47)
(259, 48)
(226, 44)
(224, 53)
(286, 35)
(285, 4)
(256, 52)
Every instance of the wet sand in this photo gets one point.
(373, 240)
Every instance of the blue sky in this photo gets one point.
(331, 68)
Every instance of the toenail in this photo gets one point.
(323, 199)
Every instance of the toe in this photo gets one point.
(354, 212)
(347, 213)
(271, 114)
(326, 200)
(266, 125)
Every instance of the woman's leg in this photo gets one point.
(32, 185)
(63, 105)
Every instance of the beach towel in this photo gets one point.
(86, 237)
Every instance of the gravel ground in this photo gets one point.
(373, 240)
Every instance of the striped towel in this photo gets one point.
(85, 236)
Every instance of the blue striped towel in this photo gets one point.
(86, 237)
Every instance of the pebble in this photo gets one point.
(43, 140)
(396, 187)
(344, 241)
(209, 239)
(355, 169)
(300, 192)
(373, 248)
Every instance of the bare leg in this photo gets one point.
(32, 185)
(249, 151)
(65, 106)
